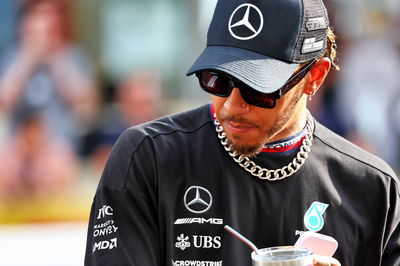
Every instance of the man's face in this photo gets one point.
(249, 127)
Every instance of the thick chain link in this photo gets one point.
(263, 173)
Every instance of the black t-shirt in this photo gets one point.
(169, 187)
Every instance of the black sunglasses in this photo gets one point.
(220, 84)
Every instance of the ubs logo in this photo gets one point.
(198, 241)
(197, 199)
(246, 22)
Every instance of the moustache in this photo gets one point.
(238, 119)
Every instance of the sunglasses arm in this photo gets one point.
(278, 94)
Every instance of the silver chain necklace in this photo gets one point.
(263, 173)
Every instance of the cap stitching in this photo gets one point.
(296, 45)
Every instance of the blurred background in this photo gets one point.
(74, 74)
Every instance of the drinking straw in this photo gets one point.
(242, 238)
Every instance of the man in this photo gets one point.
(253, 159)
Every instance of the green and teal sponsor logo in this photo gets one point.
(313, 219)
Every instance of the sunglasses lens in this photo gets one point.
(221, 85)
(215, 84)
(258, 99)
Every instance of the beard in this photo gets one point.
(253, 150)
(247, 151)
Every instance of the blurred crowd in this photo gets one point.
(58, 116)
(361, 102)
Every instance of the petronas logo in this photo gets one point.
(313, 219)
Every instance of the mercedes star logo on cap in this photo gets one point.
(197, 199)
(252, 19)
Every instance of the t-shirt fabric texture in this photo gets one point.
(169, 187)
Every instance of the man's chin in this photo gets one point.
(246, 150)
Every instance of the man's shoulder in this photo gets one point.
(137, 144)
(350, 152)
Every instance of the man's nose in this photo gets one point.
(235, 103)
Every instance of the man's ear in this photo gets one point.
(317, 75)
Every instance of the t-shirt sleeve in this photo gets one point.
(123, 226)
(391, 253)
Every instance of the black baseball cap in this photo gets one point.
(262, 42)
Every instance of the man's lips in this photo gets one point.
(238, 128)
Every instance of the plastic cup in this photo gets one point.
(282, 256)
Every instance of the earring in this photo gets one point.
(311, 95)
(243, 105)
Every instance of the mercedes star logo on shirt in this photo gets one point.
(246, 22)
(197, 199)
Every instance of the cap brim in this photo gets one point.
(263, 73)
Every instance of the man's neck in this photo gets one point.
(295, 123)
